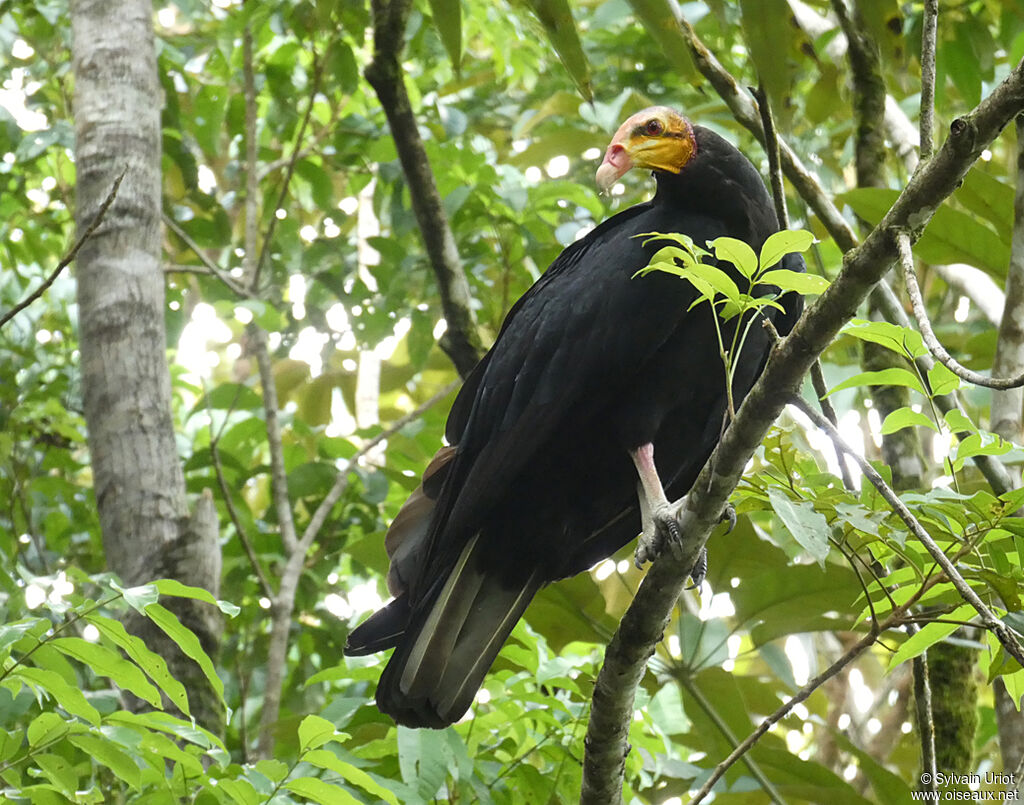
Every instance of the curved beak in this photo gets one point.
(617, 162)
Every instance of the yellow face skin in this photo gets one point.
(658, 138)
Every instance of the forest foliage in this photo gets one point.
(515, 102)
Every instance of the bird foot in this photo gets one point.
(661, 531)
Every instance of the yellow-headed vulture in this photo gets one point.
(599, 387)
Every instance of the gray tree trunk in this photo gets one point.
(138, 480)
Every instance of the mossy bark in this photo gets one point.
(952, 672)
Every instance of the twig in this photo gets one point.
(461, 341)
(988, 618)
(853, 653)
(70, 256)
(209, 264)
(243, 536)
(771, 147)
(928, 36)
(723, 727)
(928, 334)
(821, 392)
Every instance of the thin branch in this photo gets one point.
(821, 392)
(1005, 415)
(988, 618)
(252, 185)
(928, 37)
(853, 653)
(642, 626)
(771, 147)
(243, 536)
(70, 256)
(268, 237)
(928, 334)
(210, 265)
(461, 341)
(723, 727)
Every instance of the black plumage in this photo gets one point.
(591, 365)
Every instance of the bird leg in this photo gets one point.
(660, 518)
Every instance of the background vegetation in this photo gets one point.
(274, 144)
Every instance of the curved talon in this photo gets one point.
(699, 571)
(728, 515)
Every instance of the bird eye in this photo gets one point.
(654, 127)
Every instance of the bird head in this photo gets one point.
(658, 138)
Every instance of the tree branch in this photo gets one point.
(928, 334)
(67, 259)
(1005, 415)
(642, 625)
(461, 341)
(210, 265)
(923, 706)
(927, 115)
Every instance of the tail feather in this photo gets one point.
(444, 655)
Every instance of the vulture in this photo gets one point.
(599, 403)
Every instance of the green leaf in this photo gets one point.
(807, 526)
(67, 696)
(47, 728)
(325, 759)
(778, 245)
(314, 731)
(105, 752)
(273, 770)
(905, 418)
(179, 590)
(942, 380)
(10, 744)
(153, 664)
(799, 281)
(188, 643)
(987, 197)
(58, 771)
(714, 278)
(770, 38)
(108, 663)
(11, 633)
(138, 598)
(666, 709)
(951, 236)
(959, 422)
(736, 252)
(556, 17)
(659, 19)
(902, 340)
(447, 16)
(929, 635)
(894, 376)
(317, 790)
